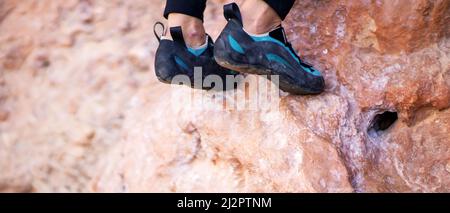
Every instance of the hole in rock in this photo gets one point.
(382, 122)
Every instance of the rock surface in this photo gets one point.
(81, 110)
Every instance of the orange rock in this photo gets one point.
(82, 115)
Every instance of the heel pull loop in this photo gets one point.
(163, 30)
(177, 35)
(231, 11)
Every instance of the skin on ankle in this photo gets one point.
(258, 17)
(193, 31)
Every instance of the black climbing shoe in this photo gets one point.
(267, 54)
(175, 58)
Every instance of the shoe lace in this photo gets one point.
(162, 32)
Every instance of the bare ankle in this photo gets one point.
(258, 17)
(194, 37)
(193, 31)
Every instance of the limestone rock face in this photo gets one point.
(81, 110)
(383, 56)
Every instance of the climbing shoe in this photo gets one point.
(175, 58)
(267, 54)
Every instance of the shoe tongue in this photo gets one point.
(279, 34)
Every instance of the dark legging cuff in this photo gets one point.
(196, 8)
(281, 7)
(193, 8)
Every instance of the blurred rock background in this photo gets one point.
(81, 109)
(68, 70)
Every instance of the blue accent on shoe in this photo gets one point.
(312, 71)
(276, 58)
(181, 63)
(197, 51)
(270, 39)
(235, 45)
